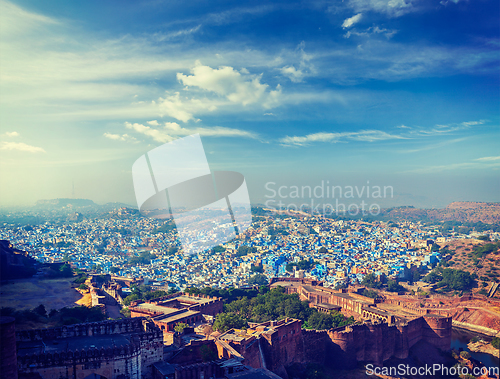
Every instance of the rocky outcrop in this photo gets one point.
(14, 263)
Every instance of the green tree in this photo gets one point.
(258, 268)
(371, 281)
(172, 250)
(465, 354)
(495, 342)
(457, 279)
(219, 249)
(126, 312)
(340, 320)
(168, 226)
(225, 321)
(370, 293)
(320, 321)
(415, 276)
(81, 279)
(65, 271)
(143, 258)
(244, 250)
(393, 286)
(130, 298)
(40, 310)
(433, 277)
(258, 279)
(180, 327)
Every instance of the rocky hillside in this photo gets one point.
(14, 263)
(465, 211)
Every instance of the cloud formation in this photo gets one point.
(373, 30)
(391, 8)
(292, 73)
(379, 135)
(457, 166)
(209, 89)
(447, 128)
(302, 61)
(21, 146)
(172, 130)
(12, 134)
(363, 135)
(118, 137)
(237, 87)
(352, 20)
(488, 159)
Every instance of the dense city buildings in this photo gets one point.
(342, 251)
(325, 262)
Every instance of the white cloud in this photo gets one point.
(388, 33)
(447, 128)
(378, 135)
(458, 166)
(123, 137)
(300, 59)
(209, 89)
(21, 146)
(172, 130)
(180, 33)
(391, 8)
(348, 22)
(363, 135)
(15, 20)
(184, 108)
(292, 73)
(12, 134)
(226, 81)
(433, 146)
(157, 135)
(488, 159)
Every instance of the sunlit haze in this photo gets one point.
(355, 93)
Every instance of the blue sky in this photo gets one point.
(398, 93)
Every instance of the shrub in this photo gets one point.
(495, 342)
(180, 327)
(465, 354)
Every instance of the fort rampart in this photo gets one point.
(141, 346)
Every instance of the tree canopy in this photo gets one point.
(258, 279)
(143, 258)
(276, 305)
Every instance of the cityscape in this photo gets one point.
(250, 190)
(342, 251)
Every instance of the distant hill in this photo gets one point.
(116, 205)
(60, 203)
(468, 256)
(123, 212)
(464, 211)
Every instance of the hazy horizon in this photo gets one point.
(362, 92)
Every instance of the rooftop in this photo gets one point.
(72, 344)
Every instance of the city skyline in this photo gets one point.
(400, 94)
